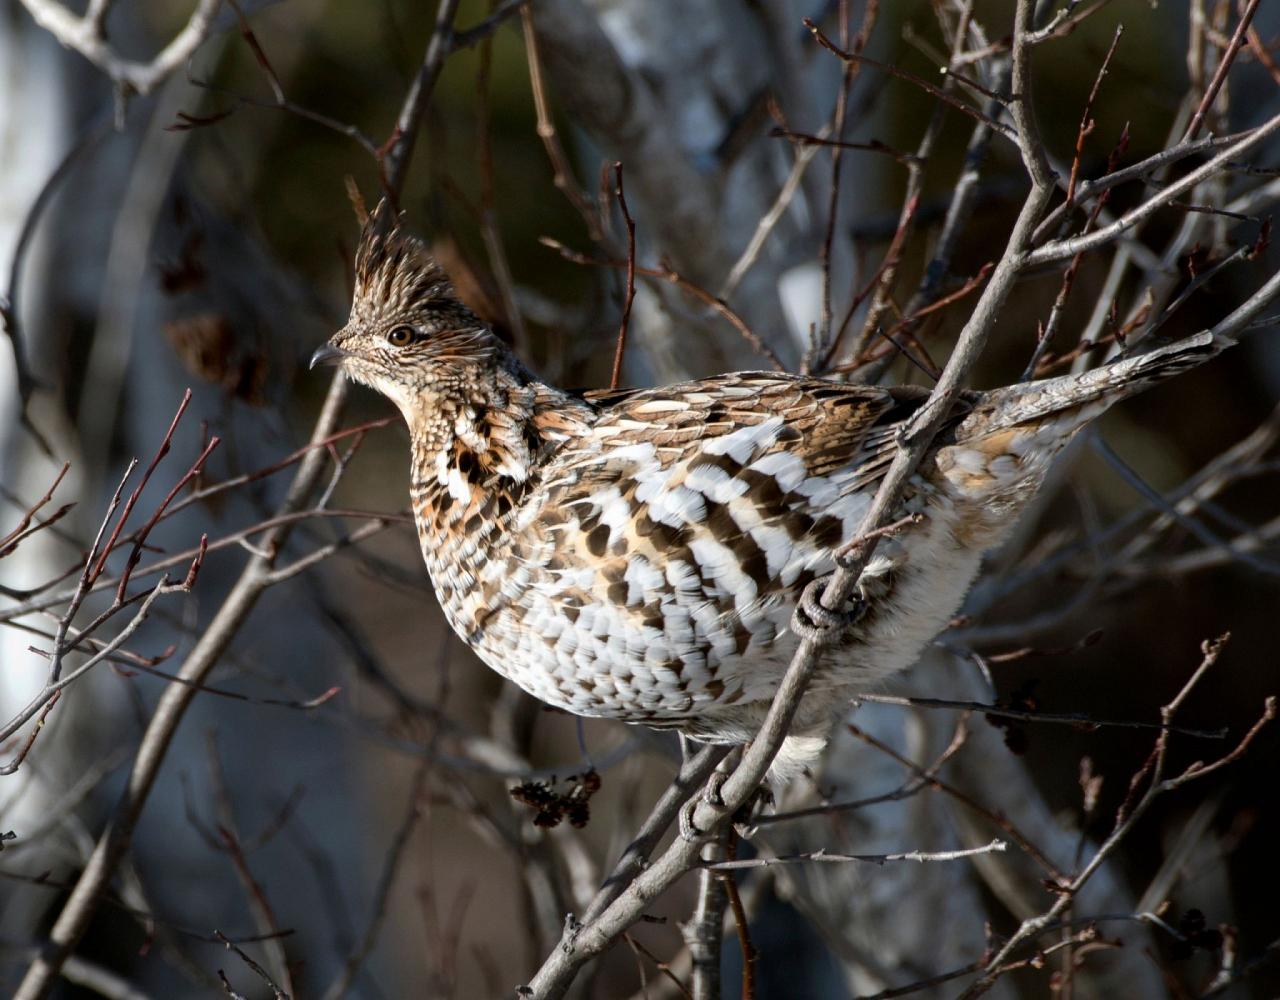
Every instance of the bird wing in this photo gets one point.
(668, 537)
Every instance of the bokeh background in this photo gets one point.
(216, 256)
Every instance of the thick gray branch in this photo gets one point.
(85, 35)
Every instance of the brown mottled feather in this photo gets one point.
(636, 554)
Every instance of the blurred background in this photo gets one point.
(200, 236)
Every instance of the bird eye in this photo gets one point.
(400, 336)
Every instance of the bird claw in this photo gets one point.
(711, 796)
(711, 792)
(688, 829)
(813, 620)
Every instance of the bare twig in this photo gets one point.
(661, 966)
(887, 277)
(1086, 119)
(196, 496)
(1131, 811)
(805, 140)
(959, 210)
(823, 856)
(262, 974)
(1259, 50)
(562, 173)
(279, 99)
(1080, 720)
(490, 230)
(821, 336)
(12, 766)
(936, 92)
(55, 686)
(386, 881)
(395, 164)
(96, 978)
(668, 274)
(233, 539)
(769, 221)
(741, 923)
(228, 841)
(466, 38)
(693, 772)
(1067, 247)
(1065, 21)
(1049, 329)
(616, 377)
(24, 528)
(1135, 171)
(929, 776)
(1224, 67)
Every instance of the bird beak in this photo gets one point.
(327, 354)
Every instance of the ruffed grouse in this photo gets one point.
(637, 555)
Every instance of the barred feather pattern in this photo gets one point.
(637, 555)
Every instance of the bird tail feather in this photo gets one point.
(1102, 386)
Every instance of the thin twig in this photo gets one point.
(235, 538)
(1131, 811)
(395, 164)
(1224, 67)
(959, 210)
(561, 173)
(262, 974)
(668, 274)
(490, 230)
(749, 954)
(466, 38)
(823, 856)
(948, 99)
(227, 840)
(1086, 119)
(1057, 311)
(1065, 21)
(887, 275)
(769, 221)
(12, 766)
(1135, 171)
(24, 528)
(1080, 720)
(386, 882)
(10, 309)
(803, 139)
(820, 337)
(1068, 247)
(616, 377)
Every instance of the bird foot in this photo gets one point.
(814, 621)
(710, 796)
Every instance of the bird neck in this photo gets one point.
(476, 448)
